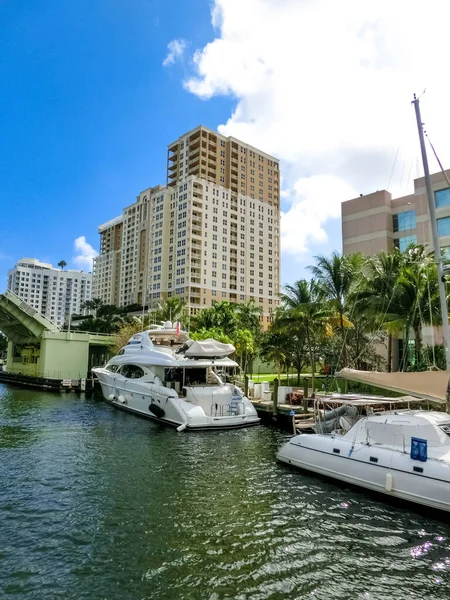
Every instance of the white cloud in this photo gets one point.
(85, 253)
(311, 199)
(326, 86)
(176, 49)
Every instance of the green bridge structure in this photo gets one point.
(38, 348)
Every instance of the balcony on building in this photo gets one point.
(194, 145)
(194, 154)
(195, 171)
(194, 161)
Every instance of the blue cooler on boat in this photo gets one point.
(419, 449)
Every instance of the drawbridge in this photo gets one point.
(20, 322)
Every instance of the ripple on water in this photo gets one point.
(96, 503)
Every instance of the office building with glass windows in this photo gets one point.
(375, 222)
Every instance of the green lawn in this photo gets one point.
(272, 376)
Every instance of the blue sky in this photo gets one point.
(87, 113)
(87, 108)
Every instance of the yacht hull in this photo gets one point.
(385, 470)
(157, 405)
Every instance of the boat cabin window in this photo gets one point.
(445, 428)
(112, 368)
(179, 377)
(195, 376)
(122, 351)
(131, 372)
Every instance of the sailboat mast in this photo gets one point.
(434, 231)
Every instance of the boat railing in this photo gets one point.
(227, 410)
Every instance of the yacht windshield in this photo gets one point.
(179, 377)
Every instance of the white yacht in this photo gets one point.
(372, 444)
(163, 375)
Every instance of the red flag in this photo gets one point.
(177, 329)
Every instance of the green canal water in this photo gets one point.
(99, 504)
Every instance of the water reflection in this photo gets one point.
(96, 503)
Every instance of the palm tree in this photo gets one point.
(248, 315)
(338, 277)
(244, 343)
(173, 309)
(377, 298)
(418, 295)
(273, 348)
(400, 294)
(221, 315)
(95, 304)
(307, 312)
(62, 264)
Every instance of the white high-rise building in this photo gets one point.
(52, 292)
(213, 233)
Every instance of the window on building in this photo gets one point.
(443, 226)
(404, 221)
(442, 198)
(445, 252)
(403, 242)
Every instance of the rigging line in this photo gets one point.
(368, 343)
(437, 158)
(402, 174)
(431, 321)
(383, 318)
(410, 169)
(422, 323)
(393, 167)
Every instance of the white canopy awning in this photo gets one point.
(430, 385)
(209, 349)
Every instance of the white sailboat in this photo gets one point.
(403, 453)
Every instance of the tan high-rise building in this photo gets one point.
(377, 222)
(106, 281)
(213, 233)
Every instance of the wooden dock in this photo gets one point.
(284, 418)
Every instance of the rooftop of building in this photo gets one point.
(110, 223)
(438, 180)
(35, 263)
(224, 138)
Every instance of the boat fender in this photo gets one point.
(122, 399)
(388, 482)
(182, 427)
(156, 410)
(111, 397)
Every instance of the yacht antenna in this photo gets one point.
(434, 230)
